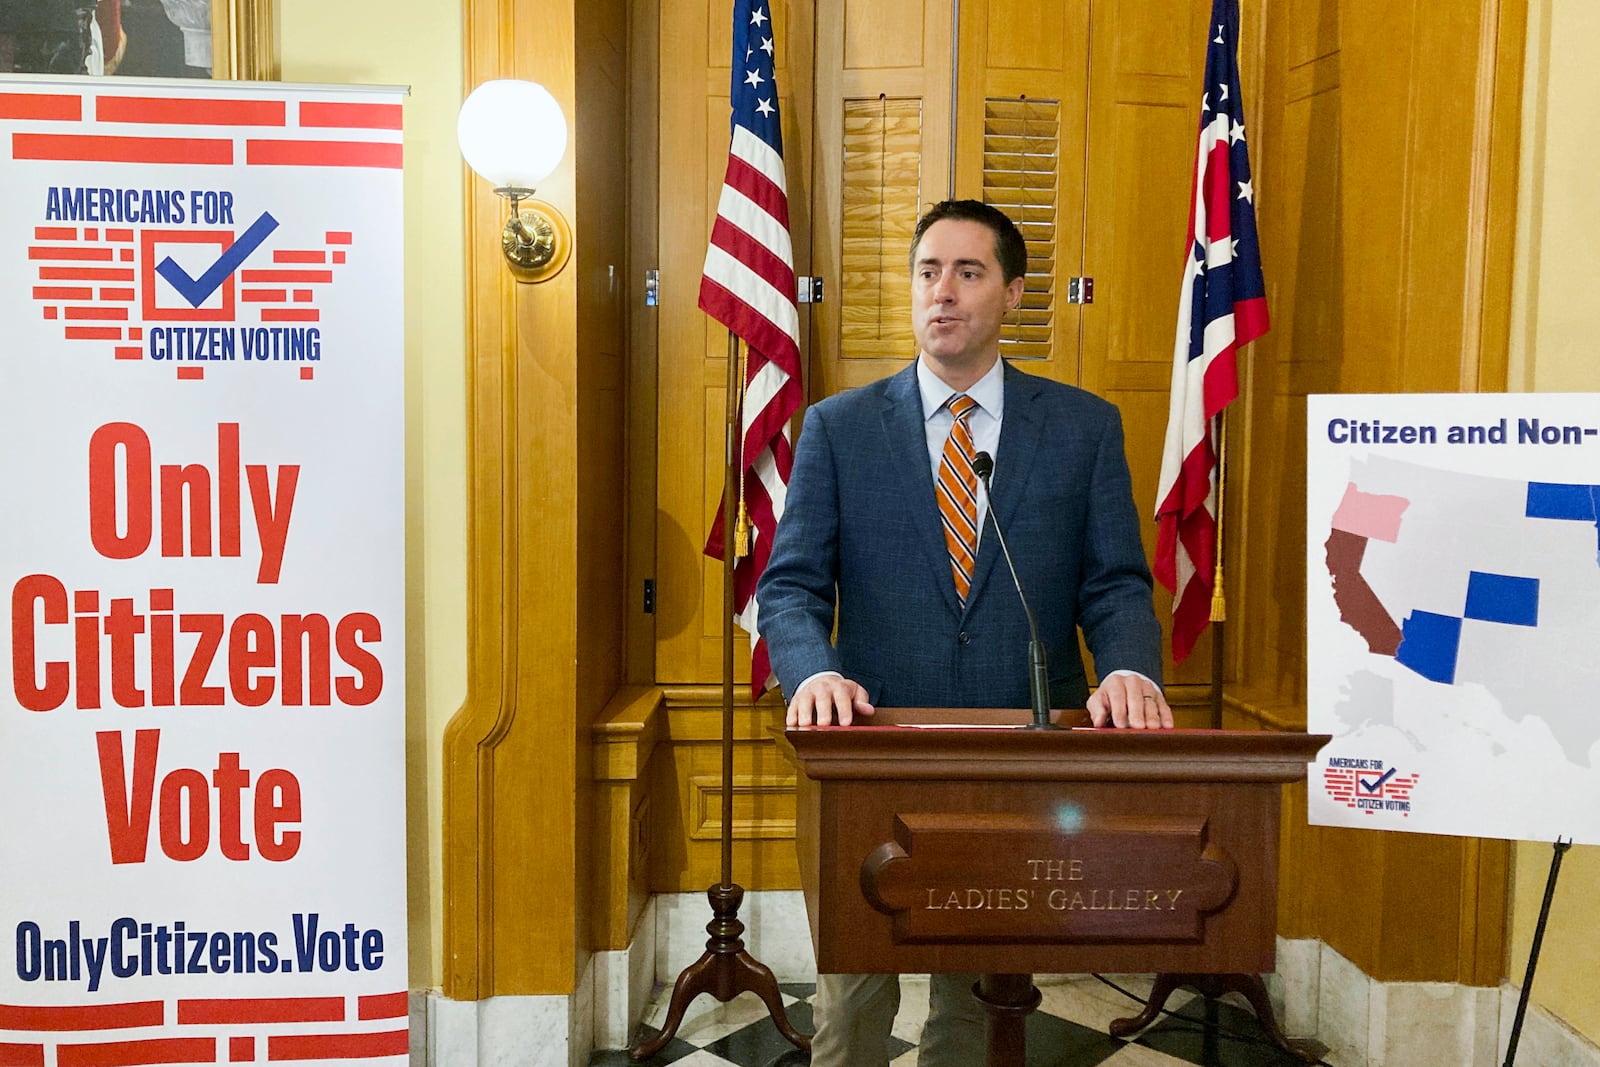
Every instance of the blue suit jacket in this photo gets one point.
(861, 532)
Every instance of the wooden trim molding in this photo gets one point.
(510, 879)
(623, 741)
(626, 734)
(760, 791)
(1263, 711)
(1499, 129)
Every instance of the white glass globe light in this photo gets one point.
(512, 132)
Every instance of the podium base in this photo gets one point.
(1009, 999)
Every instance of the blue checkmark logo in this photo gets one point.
(197, 290)
(1373, 785)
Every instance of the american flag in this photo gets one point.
(749, 287)
(1222, 305)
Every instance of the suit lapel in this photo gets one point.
(907, 441)
(1020, 427)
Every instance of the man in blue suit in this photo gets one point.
(882, 536)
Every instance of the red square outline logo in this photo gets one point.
(147, 262)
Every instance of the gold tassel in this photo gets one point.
(741, 532)
(1219, 601)
(741, 529)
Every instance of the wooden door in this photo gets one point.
(1146, 63)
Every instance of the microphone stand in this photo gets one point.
(1038, 672)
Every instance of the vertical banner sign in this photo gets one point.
(1452, 611)
(202, 784)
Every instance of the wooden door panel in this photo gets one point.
(876, 34)
(1021, 33)
(1144, 110)
(1019, 146)
(882, 151)
(1146, 66)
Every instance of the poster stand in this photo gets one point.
(202, 728)
(1558, 849)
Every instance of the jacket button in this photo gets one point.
(963, 638)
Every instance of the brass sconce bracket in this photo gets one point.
(536, 240)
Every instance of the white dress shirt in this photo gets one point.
(989, 393)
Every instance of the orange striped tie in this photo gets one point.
(958, 495)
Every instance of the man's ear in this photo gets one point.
(1014, 292)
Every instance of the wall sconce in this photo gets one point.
(513, 133)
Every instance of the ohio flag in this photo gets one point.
(1222, 305)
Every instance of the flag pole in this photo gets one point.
(732, 485)
(732, 494)
(1219, 599)
(726, 969)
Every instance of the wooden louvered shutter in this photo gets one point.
(882, 201)
(1020, 165)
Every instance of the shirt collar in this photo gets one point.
(989, 391)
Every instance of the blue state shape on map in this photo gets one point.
(1428, 645)
(1563, 500)
(1503, 598)
(1557, 500)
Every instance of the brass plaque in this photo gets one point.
(954, 878)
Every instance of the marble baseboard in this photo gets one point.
(1316, 992)
(1367, 1023)
(533, 1031)
(1545, 1041)
(581, 1018)
(417, 1021)
(623, 983)
(1296, 986)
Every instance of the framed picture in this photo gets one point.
(230, 39)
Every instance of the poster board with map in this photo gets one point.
(1453, 613)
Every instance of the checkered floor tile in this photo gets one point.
(1068, 1030)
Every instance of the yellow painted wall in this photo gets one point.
(417, 43)
(1555, 346)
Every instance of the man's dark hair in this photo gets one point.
(1009, 247)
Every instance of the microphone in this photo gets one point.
(1038, 673)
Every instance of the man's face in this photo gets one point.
(959, 296)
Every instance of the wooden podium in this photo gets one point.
(927, 847)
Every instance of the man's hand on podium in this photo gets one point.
(825, 699)
(1131, 700)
